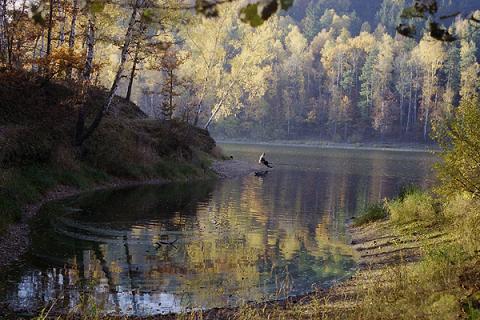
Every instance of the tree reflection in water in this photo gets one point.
(235, 240)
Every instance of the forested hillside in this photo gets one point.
(328, 70)
(338, 71)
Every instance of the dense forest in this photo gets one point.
(328, 70)
(337, 72)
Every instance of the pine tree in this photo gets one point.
(169, 64)
(311, 22)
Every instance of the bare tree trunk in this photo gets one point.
(425, 125)
(86, 75)
(170, 98)
(34, 65)
(409, 113)
(3, 32)
(415, 100)
(8, 38)
(199, 105)
(219, 104)
(63, 16)
(87, 71)
(50, 28)
(132, 73)
(71, 36)
(73, 25)
(402, 98)
(83, 134)
(289, 116)
(42, 44)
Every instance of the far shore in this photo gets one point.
(373, 146)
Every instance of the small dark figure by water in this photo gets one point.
(264, 161)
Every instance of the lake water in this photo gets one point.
(160, 249)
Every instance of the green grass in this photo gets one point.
(372, 213)
(415, 207)
(28, 184)
(24, 185)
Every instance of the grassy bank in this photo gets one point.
(26, 185)
(37, 153)
(419, 259)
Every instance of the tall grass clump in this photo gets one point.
(372, 213)
(463, 214)
(417, 207)
(427, 290)
(407, 190)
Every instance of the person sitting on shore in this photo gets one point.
(264, 161)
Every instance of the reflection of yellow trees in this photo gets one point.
(237, 243)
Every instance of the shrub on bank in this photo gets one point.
(414, 207)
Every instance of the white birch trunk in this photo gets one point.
(61, 36)
(87, 71)
(73, 25)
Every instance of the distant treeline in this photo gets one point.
(335, 77)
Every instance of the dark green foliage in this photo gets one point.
(256, 14)
(9, 208)
(249, 14)
(207, 8)
(269, 10)
(472, 306)
(460, 141)
(373, 212)
(426, 9)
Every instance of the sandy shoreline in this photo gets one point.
(15, 241)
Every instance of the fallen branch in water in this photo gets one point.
(165, 243)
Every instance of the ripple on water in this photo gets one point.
(159, 249)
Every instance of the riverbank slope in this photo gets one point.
(40, 162)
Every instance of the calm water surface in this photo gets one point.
(159, 249)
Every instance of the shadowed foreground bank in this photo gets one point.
(40, 162)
